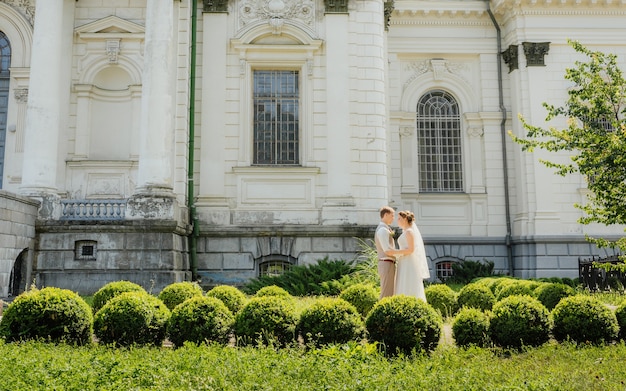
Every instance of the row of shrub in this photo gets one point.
(484, 293)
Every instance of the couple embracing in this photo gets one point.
(402, 270)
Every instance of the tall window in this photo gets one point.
(276, 117)
(439, 143)
(5, 63)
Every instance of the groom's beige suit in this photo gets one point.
(386, 264)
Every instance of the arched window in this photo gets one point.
(444, 270)
(439, 143)
(5, 63)
(274, 265)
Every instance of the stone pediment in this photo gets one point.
(111, 27)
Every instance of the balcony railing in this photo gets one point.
(93, 209)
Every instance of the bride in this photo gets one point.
(412, 267)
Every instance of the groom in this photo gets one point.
(384, 241)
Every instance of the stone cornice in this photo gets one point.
(559, 7)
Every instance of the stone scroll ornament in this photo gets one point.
(275, 11)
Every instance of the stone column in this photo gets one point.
(338, 128)
(43, 112)
(156, 128)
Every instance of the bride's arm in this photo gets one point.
(404, 251)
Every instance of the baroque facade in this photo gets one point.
(163, 140)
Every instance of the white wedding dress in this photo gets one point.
(412, 269)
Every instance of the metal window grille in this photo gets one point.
(439, 143)
(276, 117)
(85, 250)
(444, 270)
(273, 268)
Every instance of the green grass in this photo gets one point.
(42, 366)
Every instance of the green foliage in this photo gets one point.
(132, 318)
(273, 290)
(330, 320)
(303, 280)
(50, 314)
(471, 327)
(598, 152)
(466, 271)
(353, 366)
(404, 324)
(200, 319)
(266, 320)
(620, 315)
(519, 321)
(232, 297)
(176, 293)
(516, 287)
(361, 296)
(442, 298)
(476, 295)
(550, 293)
(584, 319)
(112, 289)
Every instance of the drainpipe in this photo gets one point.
(193, 217)
(503, 136)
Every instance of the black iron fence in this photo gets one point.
(602, 274)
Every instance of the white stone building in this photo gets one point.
(159, 139)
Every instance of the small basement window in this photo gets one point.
(85, 250)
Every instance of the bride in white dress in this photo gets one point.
(412, 266)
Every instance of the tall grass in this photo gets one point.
(43, 366)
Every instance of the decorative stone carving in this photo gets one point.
(438, 66)
(215, 6)
(535, 53)
(407, 131)
(25, 7)
(510, 57)
(475, 131)
(389, 7)
(336, 6)
(21, 95)
(112, 50)
(275, 11)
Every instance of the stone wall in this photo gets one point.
(17, 233)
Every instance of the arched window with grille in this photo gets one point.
(439, 143)
(5, 63)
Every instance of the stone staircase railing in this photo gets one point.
(93, 209)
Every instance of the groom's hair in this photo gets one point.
(384, 210)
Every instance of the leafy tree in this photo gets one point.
(595, 136)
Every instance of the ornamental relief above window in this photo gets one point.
(251, 11)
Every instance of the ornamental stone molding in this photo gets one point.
(561, 7)
(336, 6)
(438, 66)
(474, 131)
(25, 7)
(21, 95)
(510, 57)
(535, 53)
(407, 131)
(276, 11)
(215, 5)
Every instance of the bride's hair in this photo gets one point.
(409, 216)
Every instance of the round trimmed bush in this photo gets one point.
(403, 324)
(200, 319)
(442, 298)
(132, 318)
(550, 293)
(361, 296)
(272, 290)
(266, 320)
(490, 282)
(476, 296)
(176, 293)
(52, 314)
(330, 320)
(516, 287)
(620, 315)
(471, 327)
(233, 298)
(519, 321)
(582, 318)
(112, 289)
